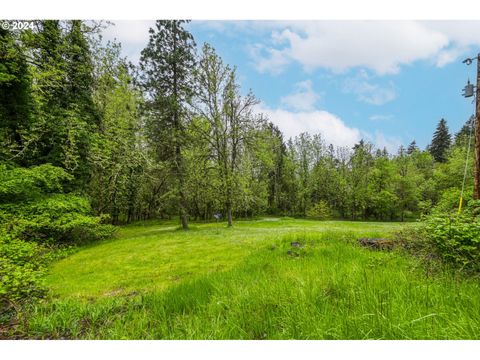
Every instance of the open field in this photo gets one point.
(153, 281)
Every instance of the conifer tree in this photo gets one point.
(461, 137)
(166, 66)
(15, 95)
(412, 147)
(441, 142)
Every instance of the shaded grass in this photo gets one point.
(329, 288)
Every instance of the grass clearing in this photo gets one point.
(156, 282)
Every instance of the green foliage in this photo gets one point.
(320, 211)
(116, 160)
(22, 269)
(465, 134)
(456, 238)
(441, 142)
(447, 236)
(166, 67)
(449, 200)
(15, 95)
(36, 215)
(21, 184)
(33, 206)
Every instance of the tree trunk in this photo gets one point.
(229, 215)
(184, 221)
(178, 152)
(182, 202)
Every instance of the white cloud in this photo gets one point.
(272, 62)
(130, 31)
(368, 92)
(133, 36)
(381, 46)
(380, 140)
(461, 33)
(448, 56)
(303, 98)
(332, 128)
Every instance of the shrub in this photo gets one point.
(450, 198)
(34, 206)
(451, 237)
(22, 269)
(456, 238)
(36, 215)
(320, 211)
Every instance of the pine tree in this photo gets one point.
(79, 72)
(412, 147)
(441, 142)
(15, 95)
(166, 66)
(461, 137)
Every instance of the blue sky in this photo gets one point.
(385, 81)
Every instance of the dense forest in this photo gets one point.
(176, 136)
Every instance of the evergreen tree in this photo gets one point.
(412, 147)
(461, 137)
(441, 142)
(15, 95)
(166, 66)
(47, 130)
(79, 72)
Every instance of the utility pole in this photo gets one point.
(476, 182)
(468, 92)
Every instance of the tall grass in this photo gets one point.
(330, 288)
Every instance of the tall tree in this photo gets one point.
(441, 142)
(166, 66)
(304, 155)
(276, 148)
(462, 136)
(15, 95)
(361, 164)
(79, 72)
(406, 183)
(115, 157)
(64, 115)
(412, 147)
(229, 116)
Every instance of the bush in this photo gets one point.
(59, 218)
(34, 206)
(456, 239)
(36, 216)
(320, 211)
(450, 198)
(22, 266)
(450, 237)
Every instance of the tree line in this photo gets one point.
(175, 135)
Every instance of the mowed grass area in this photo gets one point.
(153, 281)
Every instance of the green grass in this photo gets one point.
(156, 282)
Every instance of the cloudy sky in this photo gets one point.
(385, 81)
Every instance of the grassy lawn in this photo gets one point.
(153, 281)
